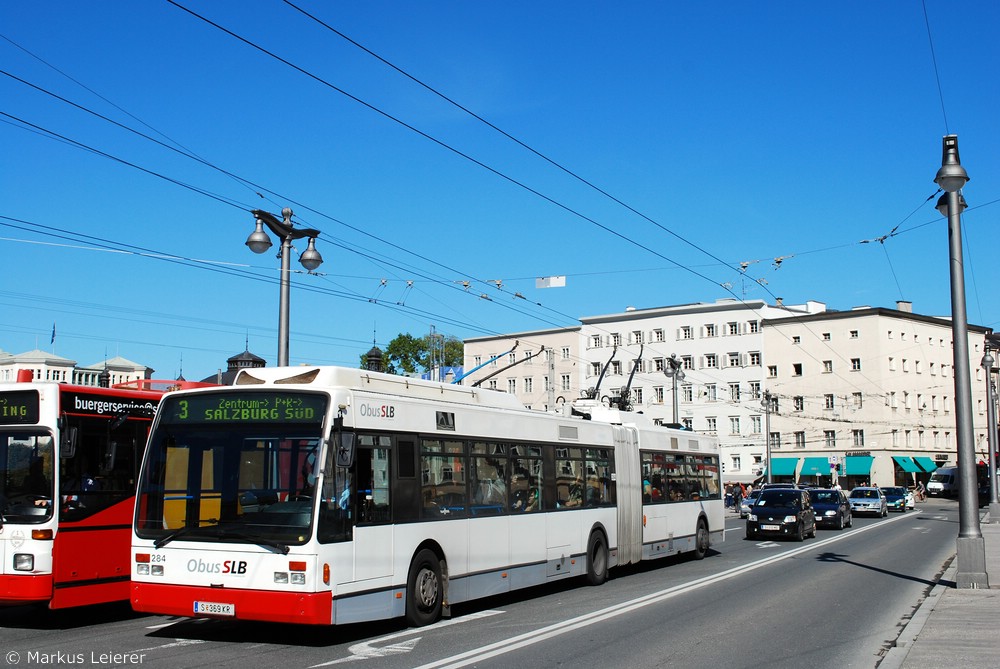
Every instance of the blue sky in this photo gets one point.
(728, 133)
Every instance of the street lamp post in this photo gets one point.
(675, 372)
(971, 546)
(991, 433)
(259, 242)
(766, 403)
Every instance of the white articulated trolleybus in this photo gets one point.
(329, 495)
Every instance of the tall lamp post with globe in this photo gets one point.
(675, 372)
(971, 547)
(259, 242)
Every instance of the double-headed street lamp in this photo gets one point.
(991, 433)
(971, 546)
(675, 372)
(259, 242)
(767, 402)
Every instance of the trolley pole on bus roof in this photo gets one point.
(971, 545)
(259, 242)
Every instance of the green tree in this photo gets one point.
(407, 354)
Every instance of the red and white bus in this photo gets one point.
(328, 495)
(69, 456)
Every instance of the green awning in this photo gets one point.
(907, 464)
(858, 465)
(925, 463)
(784, 466)
(815, 467)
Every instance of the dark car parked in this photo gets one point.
(895, 498)
(782, 512)
(831, 507)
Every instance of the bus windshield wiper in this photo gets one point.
(260, 541)
(163, 541)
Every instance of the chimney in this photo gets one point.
(903, 305)
(779, 301)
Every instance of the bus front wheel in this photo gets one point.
(424, 589)
(597, 559)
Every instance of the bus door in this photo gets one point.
(355, 510)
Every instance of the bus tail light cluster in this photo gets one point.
(143, 566)
(296, 574)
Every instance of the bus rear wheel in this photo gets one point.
(701, 540)
(597, 559)
(424, 589)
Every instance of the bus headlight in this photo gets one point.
(156, 570)
(142, 569)
(24, 562)
(298, 578)
(281, 577)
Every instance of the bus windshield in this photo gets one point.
(26, 476)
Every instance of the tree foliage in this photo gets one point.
(407, 354)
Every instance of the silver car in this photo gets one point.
(747, 502)
(868, 500)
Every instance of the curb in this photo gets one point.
(896, 655)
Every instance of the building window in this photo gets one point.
(687, 393)
(828, 366)
(711, 360)
(658, 394)
(855, 364)
(529, 384)
(772, 371)
(710, 424)
(658, 365)
(755, 424)
(512, 386)
(859, 438)
(545, 383)
(775, 439)
(753, 327)
(755, 390)
(906, 365)
(637, 337)
(565, 352)
(826, 336)
(595, 368)
(755, 358)
(710, 330)
(687, 423)
(800, 439)
(916, 367)
(828, 401)
(734, 328)
(796, 339)
(856, 400)
(493, 384)
(686, 332)
(734, 359)
(830, 438)
(687, 362)
(854, 334)
(596, 341)
(734, 425)
(658, 335)
(736, 463)
(477, 360)
(710, 392)
(637, 396)
(797, 369)
(734, 392)
(616, 339)
(798, 403)
(616, 367)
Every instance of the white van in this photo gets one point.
(944, 482)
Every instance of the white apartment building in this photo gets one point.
(870, 391)
(549, 366)
(718, 345)
(46, 366)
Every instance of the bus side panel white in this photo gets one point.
(489, 554)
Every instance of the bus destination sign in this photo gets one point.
(247, 407)
(19, 407)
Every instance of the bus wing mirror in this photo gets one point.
(345, 449)
(67, 442)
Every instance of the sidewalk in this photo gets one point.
(954, 627)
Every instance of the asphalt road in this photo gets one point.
(835, 601)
